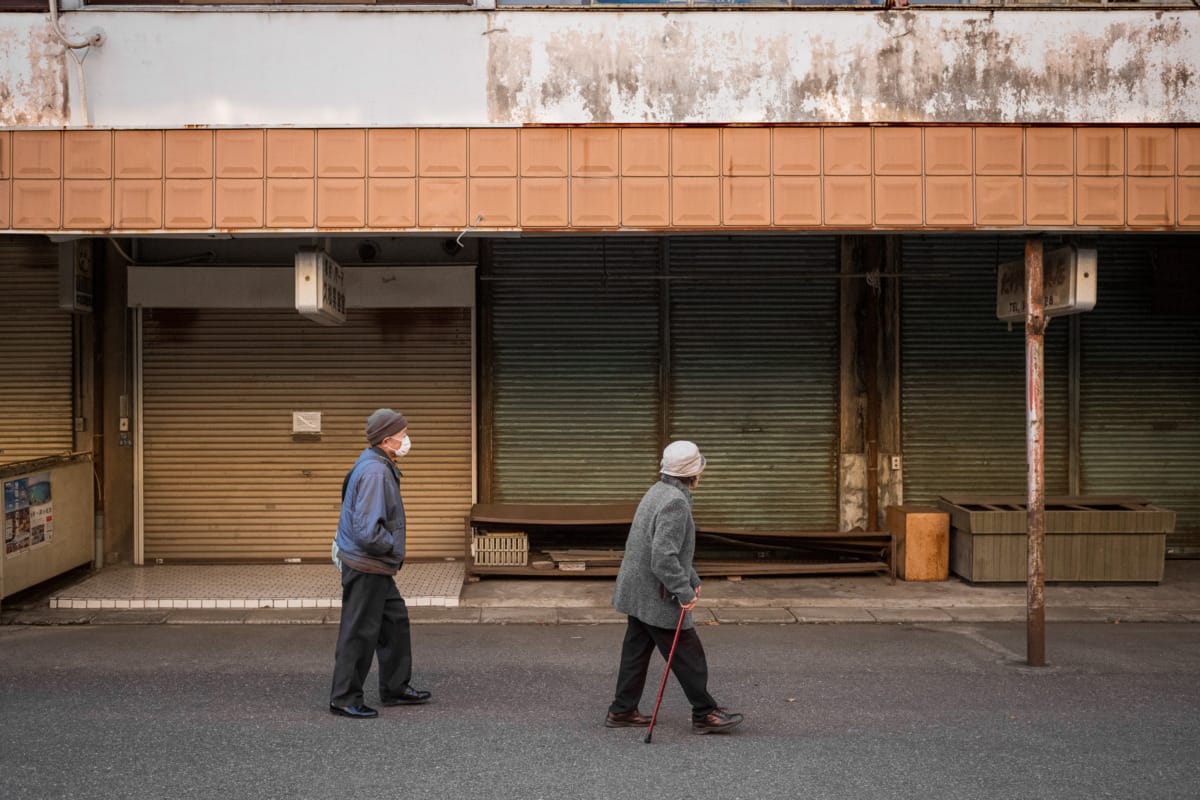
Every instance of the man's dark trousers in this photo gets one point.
(689, 666)
(374, 622)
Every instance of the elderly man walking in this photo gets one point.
(655, 584)
(369, 550)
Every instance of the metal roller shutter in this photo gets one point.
(35, 353)
(963, 375)
(602, 349)
(754, 376)
(1140, 386)
(573, 371)
(223, 476)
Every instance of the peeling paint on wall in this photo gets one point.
(33, 84)
(914, 66)
(852, 493)
(402, 68)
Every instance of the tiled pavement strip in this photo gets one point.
(435, 593)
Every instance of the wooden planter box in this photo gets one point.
(1088, 539)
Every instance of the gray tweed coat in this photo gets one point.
(658, 555)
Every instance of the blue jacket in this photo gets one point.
(370, 533)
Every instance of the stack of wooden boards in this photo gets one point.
(816, 557)
(576, 560)
(587, 540)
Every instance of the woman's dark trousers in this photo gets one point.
(689, 666)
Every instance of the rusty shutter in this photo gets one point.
(36, 384)
(571, 331)
(224, 478)
(754, 376)
(1140, 382)
(600, 350)
(963, 375)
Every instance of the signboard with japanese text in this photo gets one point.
(320, 287)
(1068, 280)
(28, 514)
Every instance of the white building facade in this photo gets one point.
(573, 233)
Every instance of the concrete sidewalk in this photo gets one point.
(830, 599)
(809, 599)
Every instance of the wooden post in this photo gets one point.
(1035, 450)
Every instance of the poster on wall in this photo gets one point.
(28, 514)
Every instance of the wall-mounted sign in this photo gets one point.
(306, 422)
(320, 287)
(76, 282)
(1068, 279)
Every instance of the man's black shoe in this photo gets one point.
(408, 697)
(354, 712)
(716, 721)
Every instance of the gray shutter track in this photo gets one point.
(1140, 393)
(574, 369)
(224, 477)
(36, 374)
(754, 376)
(963, 375)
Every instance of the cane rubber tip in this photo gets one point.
(647, 739)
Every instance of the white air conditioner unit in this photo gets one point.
(1068, 281)
(320, 287)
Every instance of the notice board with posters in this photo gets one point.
(49, 519)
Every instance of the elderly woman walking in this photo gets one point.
(657, 583)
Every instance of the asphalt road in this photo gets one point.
(833, 711)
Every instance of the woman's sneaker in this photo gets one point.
(626, 719)
(716, 721)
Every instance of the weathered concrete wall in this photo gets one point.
(33, 73)
(848, 67)
(164, 69)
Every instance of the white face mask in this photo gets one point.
(405, 446)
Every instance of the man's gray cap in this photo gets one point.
(383, 423)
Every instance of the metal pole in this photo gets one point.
(1035, 450)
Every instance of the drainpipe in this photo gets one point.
(98, 557)
(100, 274)
(93, 38)
(873, 261)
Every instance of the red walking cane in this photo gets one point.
(666, 671)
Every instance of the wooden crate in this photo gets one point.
(922, 542)
(1088, 539)
(509, 549)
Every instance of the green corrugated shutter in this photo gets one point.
(963, 375)
(573, 370)
(1140, 392)
(577, 406)
(754, 376)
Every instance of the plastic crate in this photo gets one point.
(500, 549)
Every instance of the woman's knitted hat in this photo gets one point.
(682, 460)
